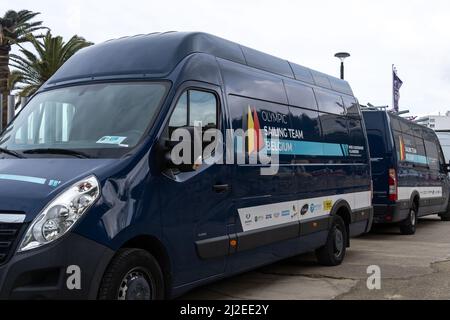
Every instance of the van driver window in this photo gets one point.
(194, 106)
(179, 115)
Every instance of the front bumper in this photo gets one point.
(43, 273)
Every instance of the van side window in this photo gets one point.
(308, 120)
(406, 127)
(399, 145)
(410, 149)
(432, 155)
(300, 95)
(357, 138)
(352, 107)
(194, 106)
(179, 116)
(395, 124)
(420, 149)
(203, 107)
(330, 103)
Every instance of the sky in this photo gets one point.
(412, 34)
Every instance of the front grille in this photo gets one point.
(9, 235)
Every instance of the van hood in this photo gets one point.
(27, 185)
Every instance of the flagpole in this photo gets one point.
(393, 89)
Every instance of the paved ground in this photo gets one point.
(412, 267)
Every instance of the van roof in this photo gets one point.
(399, 118)
(157, 55)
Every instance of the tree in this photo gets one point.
(34, 69)
(14, 30)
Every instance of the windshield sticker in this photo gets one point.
(54, 183)
(112, 140)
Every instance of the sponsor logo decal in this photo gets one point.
(305, 209)
(256, 141)
(248, 219)
(286, 213)
(276, 215)
(295, 212)
(315, 207)
(328, 205)
(269, 216)
(259, 218)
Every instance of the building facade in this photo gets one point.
(436, 122)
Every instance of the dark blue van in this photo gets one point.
(93, 205)
(409, 172)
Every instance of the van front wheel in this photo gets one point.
(333, 253)
(133, 274)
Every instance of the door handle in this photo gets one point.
(221, 188)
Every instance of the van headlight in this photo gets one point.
(61, 214)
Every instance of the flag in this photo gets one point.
(397, 84)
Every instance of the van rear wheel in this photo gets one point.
(408, 227)
(133, 274)
(333, 253)
(445, 216)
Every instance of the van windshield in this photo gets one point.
(96, 120)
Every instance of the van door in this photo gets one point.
(382, 153)
(266, 213)
(195, 205)
(436, 164)
(443, 178)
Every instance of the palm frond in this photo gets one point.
(47, 55)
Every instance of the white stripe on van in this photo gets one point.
(254, 218)
(404, 193)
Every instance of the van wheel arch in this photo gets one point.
(155, 247)
(342, 209)
(415, 201)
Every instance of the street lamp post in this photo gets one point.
(342, 56)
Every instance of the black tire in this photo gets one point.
(333, 252)
(409, 226)
(133, 274)
(445, 216)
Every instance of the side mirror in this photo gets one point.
(187, 145)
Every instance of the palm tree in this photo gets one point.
(14, 29)
(34, 69)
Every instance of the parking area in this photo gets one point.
(412, 267)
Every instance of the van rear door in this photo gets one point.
(381, 153)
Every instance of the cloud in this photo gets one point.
(412, 34)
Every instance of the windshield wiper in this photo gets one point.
(12, 153)
(68, 152)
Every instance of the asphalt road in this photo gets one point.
(412, 267)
